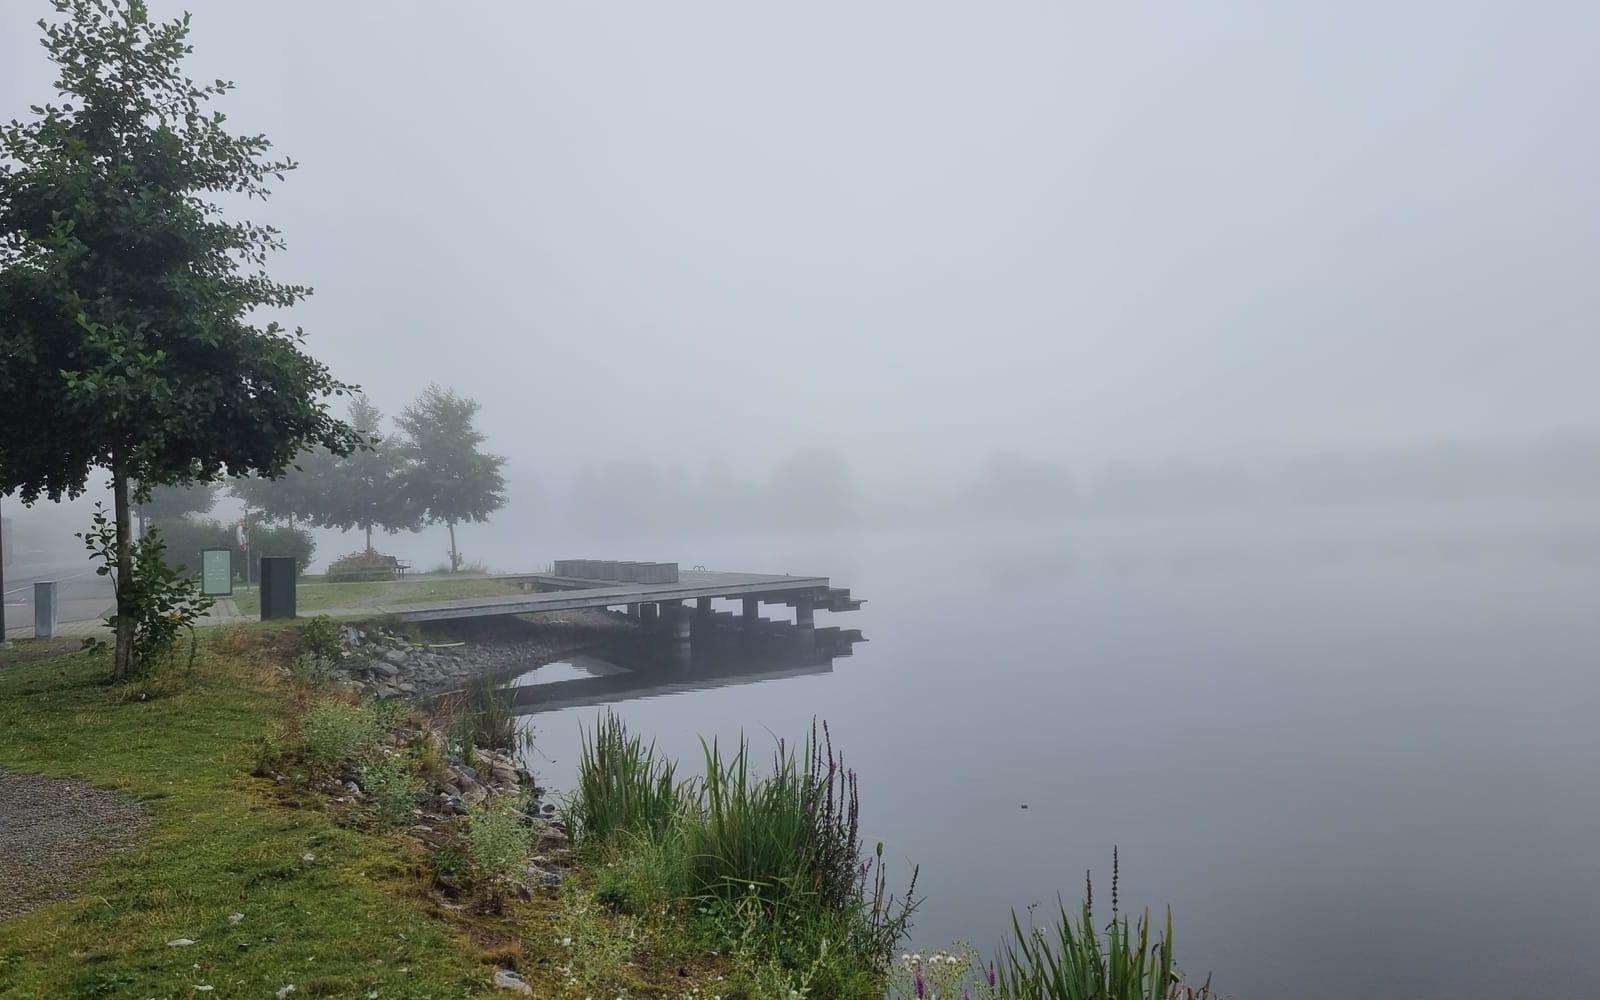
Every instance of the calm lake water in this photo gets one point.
(1356, 754)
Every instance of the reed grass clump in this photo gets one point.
(1077, 960)
(486, 717)
(624, 787)
(769, 860)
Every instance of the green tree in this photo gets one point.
(128, 343)
(448, 478)
(165, 504)
(366, 489)
(296, 494)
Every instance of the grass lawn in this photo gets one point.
(444, 588)
(313, 596)
(334, 911)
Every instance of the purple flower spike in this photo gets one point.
(922, 987)
(991, 975)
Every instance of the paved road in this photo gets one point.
(84, 597)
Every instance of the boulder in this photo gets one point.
(505, 979)
(471, 792)
(553, 839)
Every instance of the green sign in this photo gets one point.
(216, 572)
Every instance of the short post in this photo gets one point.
(804, 615)
(752, 610)
(277, 587)
(633, 611)
(44, 609)
(647, 613)
(702, 606)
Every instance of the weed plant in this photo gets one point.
(393, 787)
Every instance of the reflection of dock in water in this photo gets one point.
(650, 664)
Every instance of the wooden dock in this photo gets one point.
(649, 601)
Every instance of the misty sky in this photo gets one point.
(919, 232)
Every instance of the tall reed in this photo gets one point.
(789, 838)
(486, 717)
(1075, 961)
(623, 786)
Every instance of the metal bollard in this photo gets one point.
(44, 609)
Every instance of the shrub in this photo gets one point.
(187, 537)
(311, 669)
(334, 731)
(358, 566)
(268, 753)
(393, 787)
(282, 540)
(161, 602)
(500, 839)
(320, 637)
(597, 948)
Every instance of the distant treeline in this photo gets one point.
(818, 489)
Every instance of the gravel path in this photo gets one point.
(49, 829)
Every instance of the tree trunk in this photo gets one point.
(4, 642)
(455, 557)
(122, 664)
(368, 528)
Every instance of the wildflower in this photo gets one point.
(921, 987)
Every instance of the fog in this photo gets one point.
(1227, 368)
(700, 235)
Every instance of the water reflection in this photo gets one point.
(718, 652)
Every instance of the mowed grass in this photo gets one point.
(333, 911)
(446, 588)
(313, 596)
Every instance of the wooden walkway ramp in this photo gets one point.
(549, 592)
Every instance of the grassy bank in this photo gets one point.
(328, 897)
(331, 909)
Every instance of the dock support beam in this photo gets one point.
(633, 611)
(752, 610)
(804, 613)
(676, 617)
(647, 613)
